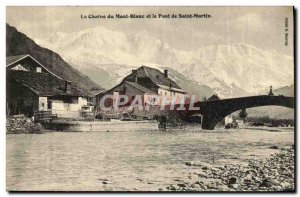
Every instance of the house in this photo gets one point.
(31, 88)
(240, 123)
(149, 83)
(130, 89)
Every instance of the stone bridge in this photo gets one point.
(214, 112)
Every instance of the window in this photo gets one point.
(67, 100)
(38, 69)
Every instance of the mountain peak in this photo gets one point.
(231, 69)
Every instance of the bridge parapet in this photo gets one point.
(214, 111)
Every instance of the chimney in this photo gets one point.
(135, 76)
(67, 87)
(166, 73)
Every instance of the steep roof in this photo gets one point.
(43, 84)
(95, 92)
(157, 77)
(12, 61)
(139, 87)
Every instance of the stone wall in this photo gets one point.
(19, 124)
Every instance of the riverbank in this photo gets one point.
(272, 129)
(19, 124)
(273, 174)
(101, 126)
(198, 128)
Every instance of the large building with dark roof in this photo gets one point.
(154, 80)
(31, 88)
(149, 83)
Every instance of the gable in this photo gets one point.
(143, 80)
(128, 89)
(26, 63)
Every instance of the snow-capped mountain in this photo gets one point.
(230, 70)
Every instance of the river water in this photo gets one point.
(128, 160)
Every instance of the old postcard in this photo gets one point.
(163, 99)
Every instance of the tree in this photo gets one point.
(243, 114)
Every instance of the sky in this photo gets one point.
(262, 27)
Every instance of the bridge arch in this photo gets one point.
(213, 112)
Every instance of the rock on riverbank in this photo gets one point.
(273, 174)
(19, 124)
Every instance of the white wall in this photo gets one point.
(171, 94)
(68, 110)
(82, 101)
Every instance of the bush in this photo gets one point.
(267, 121)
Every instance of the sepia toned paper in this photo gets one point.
(140, 99)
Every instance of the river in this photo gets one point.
(135, 161)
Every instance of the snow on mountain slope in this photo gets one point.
(245, 66)
(230, 70)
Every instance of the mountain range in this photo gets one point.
(105, 57)
(232, 70)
